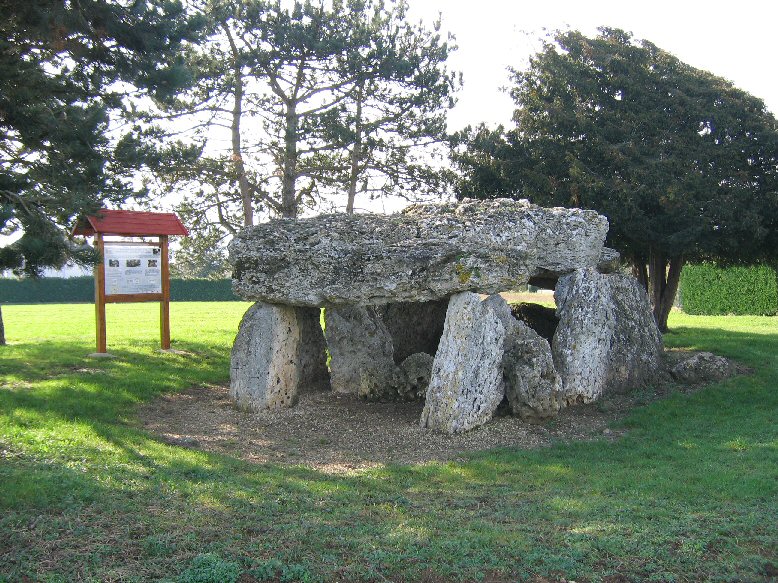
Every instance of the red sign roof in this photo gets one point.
(130, 223)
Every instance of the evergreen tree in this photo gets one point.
(66, 69)
(682, 163)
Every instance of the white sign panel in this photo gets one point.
(133, 269)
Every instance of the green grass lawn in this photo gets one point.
(689, 494)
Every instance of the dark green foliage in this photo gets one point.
(65, 69)
(707, 289)
(683, 164)
(210, 568)
(202, 290)
(82, 290)
(678, 159)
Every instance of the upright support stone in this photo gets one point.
(466, 385)
(417, 369)
(532, 385)
(361, 352)
(314, 374)
(607, 339)
(265, 360)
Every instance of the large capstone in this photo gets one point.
(427, 252)
(265, 371)
(361, 352)
(607, 339)
(532, 386)
(466, 385)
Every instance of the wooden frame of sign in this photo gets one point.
(132, 224)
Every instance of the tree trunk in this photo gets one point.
(356, 154)
(289, 178)
(640, 271)
(237, 154)
(664, 274)
(2, 328)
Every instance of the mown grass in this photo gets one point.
(689, 494)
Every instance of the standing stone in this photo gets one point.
(532, 385)
(415, 327)
(264, 368)
(466, 385)
(607, 339)
(418, 371)
(314, 374)
(361, 353)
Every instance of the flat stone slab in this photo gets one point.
(466, 384)
(427, 252)
(607, 338)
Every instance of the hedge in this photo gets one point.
(707, 289)
(55, 290)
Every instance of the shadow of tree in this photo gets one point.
(689, 490)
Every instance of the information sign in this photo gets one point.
(133, 269)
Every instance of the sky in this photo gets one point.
(734, 40)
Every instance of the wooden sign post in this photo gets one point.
(131, 272)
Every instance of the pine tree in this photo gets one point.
(66, 70)
(318, 100)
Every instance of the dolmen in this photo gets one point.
(411, 311)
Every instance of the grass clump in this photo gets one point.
(210, 568)
(690, 493)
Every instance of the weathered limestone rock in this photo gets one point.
(541, 319)
(361, 352)
(417, 369)
(607, 339)
(703, 367)
(427, 252)
(532, 385)
(415, 327)
(609, 262)
(314, 374)
(466, 385)
(264, 368)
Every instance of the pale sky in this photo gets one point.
(734, 40)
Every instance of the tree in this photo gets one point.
(201, 257)
(65, 67)
(682, 163)
(313, 100)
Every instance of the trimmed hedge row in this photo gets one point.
(55, 290)
(709, 290)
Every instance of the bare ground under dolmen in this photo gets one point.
(342, 433)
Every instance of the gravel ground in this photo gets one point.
(342, 433)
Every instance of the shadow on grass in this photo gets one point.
(689, 491)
